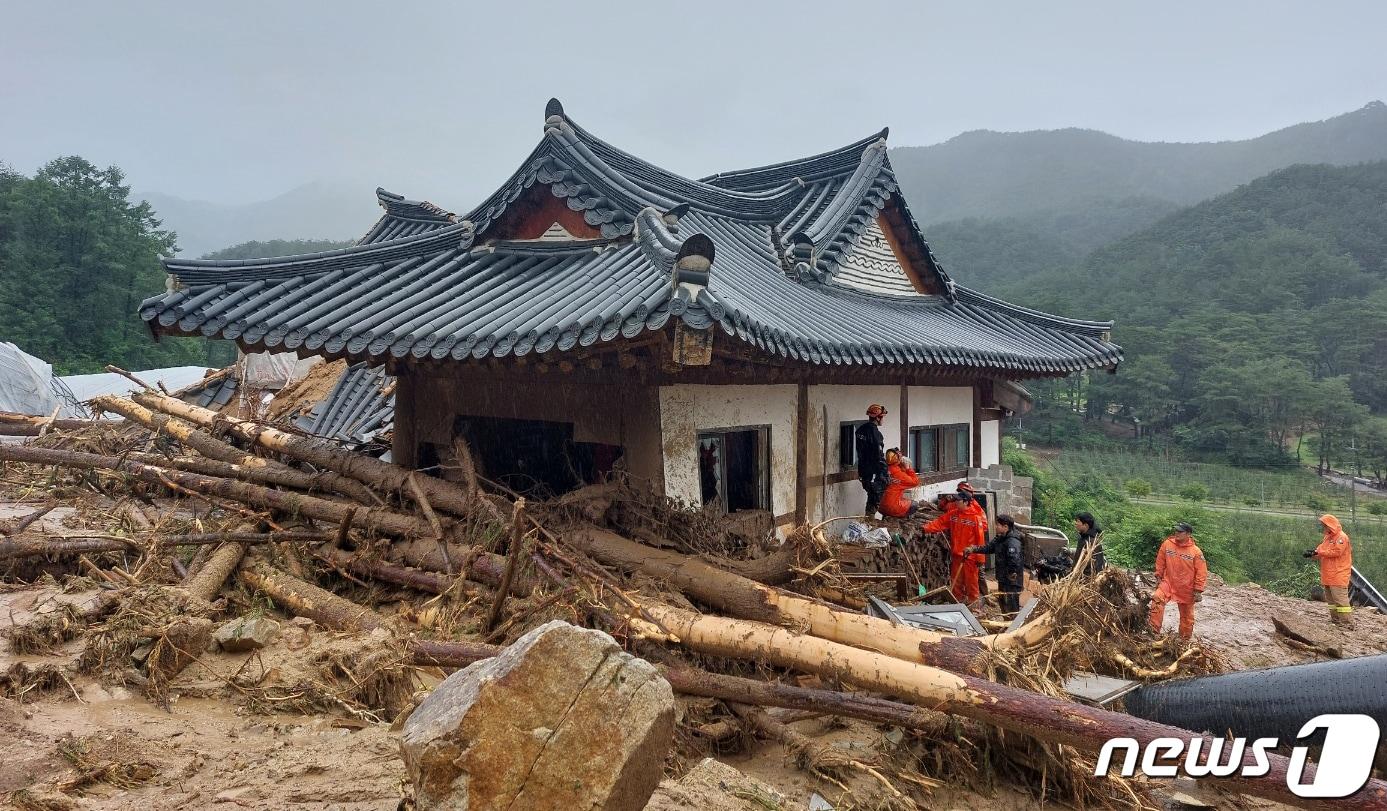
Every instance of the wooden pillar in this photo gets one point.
(802, 456)
(905, 422)
(977, 425)
(404, 445)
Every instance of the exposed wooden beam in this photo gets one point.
(802, 455)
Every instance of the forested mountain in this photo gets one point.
(1248, 319)
(1005, 174)
(1035, 201)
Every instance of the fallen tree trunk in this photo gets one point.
(246, 538)
(24, 425)
(484, 567)
(374, 519)
(15, 548)
(1042, 717)
(390, 573)
(440, 494)
(748, 599)
(209, 579)
(204, 443)
(307, 600)
(260, 474)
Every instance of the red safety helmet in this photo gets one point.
(965, 487)
(876, 409)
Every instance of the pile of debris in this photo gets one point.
(193, 528)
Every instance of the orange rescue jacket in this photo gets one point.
(1181, 569)
(1334, 553)
(966, 526)
(893, 501)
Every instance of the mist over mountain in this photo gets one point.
(323, 210)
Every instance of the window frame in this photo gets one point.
(941, 434)
(848, 450)
(763, 474)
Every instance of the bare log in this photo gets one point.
(245, 538)
(257, 468)
(209, 579)
(430, 582)
(748, 599)
(15, 548)
(441, 495)
(307, 600)
(374, 519)
(25, 425)
(483, 567)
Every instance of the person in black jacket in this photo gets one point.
(1010, 562)
(1090, 534)
(871, 457)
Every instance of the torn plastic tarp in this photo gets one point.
(27, 386)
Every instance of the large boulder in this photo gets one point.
(563, 719)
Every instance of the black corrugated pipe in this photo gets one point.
(1272, 703)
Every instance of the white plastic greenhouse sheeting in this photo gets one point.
(26, 383)
(85, 387)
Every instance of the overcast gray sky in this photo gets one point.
(241, 101)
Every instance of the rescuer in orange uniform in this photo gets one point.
(902, 478)
(1182, 571)
(1335, 554)
(966, 525)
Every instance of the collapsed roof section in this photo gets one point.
(816, 260)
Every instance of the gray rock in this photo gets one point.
(563, 719)
(246, 633)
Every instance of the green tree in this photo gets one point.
(76, 258)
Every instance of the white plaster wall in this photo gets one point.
(941, 405)
(844, 403)
(685, 410)
(991, 443)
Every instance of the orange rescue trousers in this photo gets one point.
(963, 574)
(1158, 603)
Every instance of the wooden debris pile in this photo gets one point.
(213, 517)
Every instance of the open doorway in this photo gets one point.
(734, 468)
(535, 457)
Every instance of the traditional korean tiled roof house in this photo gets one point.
(717, 337)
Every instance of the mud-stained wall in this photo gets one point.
(843, 404)
(991, 442)
(685, 410)
(626, 415)
(928, 405)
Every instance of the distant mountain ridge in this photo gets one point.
(322, 210)
(1002, 174)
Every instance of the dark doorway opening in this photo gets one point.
(535, 457)
(734, 469)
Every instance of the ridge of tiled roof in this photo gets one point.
(815, 168)
(403, 218)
